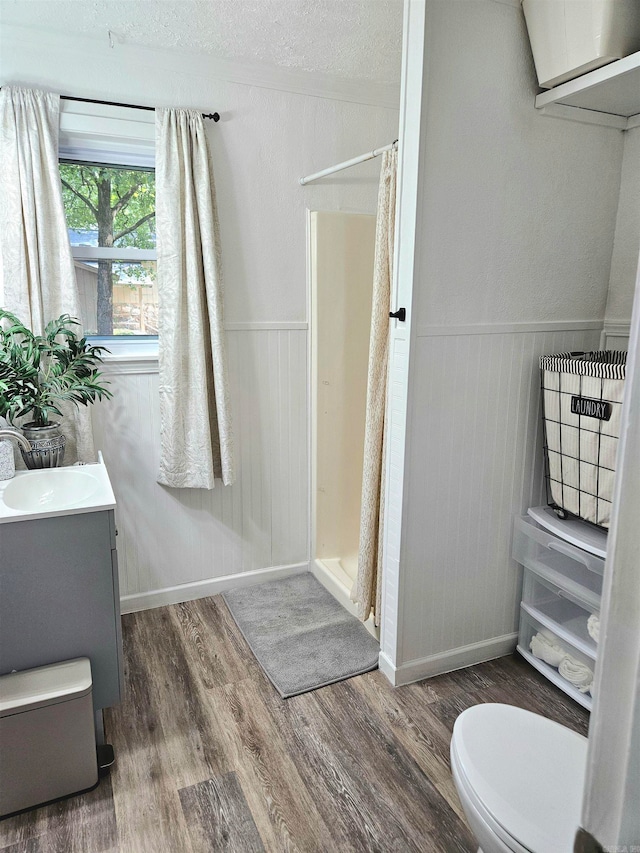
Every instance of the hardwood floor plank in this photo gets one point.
(513, 681)
(148, 811)
(77, 824)
(194, 749)
(338, 795)
(56, 842)
(509, 680)
(51, 843)
(201, 658)
(274, 786)
(448, 710)
(215, 633)
(208, 757)
(345, 804)
(382, 763)
(329, 784)
(420, 733)
(284, 811)
(219, 818)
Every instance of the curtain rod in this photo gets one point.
(214, 116)
(347, 163)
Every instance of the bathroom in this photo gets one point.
(517, 235)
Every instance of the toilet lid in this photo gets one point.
(526, 770)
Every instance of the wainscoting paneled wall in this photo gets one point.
(169, 538)
(476, 460)
(397, 425)
(615, 336)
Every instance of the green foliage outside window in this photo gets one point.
(117, 204)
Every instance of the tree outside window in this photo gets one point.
(107, 208)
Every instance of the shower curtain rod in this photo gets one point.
(347, 163)
(214, 116)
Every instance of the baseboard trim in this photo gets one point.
(201, 589)
(387, 668)
(416, 670)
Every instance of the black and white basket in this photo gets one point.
(582, 399)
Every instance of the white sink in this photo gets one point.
(51, 489)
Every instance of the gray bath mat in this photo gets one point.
(303, 639)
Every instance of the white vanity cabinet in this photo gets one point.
(562, 588)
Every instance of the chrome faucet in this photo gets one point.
(18, 436)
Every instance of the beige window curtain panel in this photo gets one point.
(368, 586)
(37, 274)
(196, 443)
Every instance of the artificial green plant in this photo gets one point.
(38, 372)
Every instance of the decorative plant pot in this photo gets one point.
(47, 446)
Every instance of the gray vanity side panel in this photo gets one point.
(113, 531)
(116, 599)
(57, 597)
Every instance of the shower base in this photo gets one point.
(337, 576)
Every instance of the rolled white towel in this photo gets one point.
(545, 648)
(593, 627)
(576, 673)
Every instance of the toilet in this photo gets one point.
(520, 779)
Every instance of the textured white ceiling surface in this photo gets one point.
(356, 39)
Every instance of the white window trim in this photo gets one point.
(122, 136)
(95, 253)
(100, 133)
(125, 347)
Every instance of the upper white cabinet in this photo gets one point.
(609, 95)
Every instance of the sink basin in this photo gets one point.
(50, 490)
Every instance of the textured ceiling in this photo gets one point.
(359, 39)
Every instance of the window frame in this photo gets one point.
(121, 137)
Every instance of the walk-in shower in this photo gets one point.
(341, 263)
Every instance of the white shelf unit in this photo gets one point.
(562, 588)
(608, 96)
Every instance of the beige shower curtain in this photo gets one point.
(368, 585)
(196, 439)
(37, 274)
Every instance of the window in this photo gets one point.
(110, 212)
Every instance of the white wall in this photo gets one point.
(626, 247)
(270, 135)
(515, 233)
(519, 208)
(171, 537)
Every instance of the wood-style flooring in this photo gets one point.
(208, 757)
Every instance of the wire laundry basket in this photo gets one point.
(581, 403)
